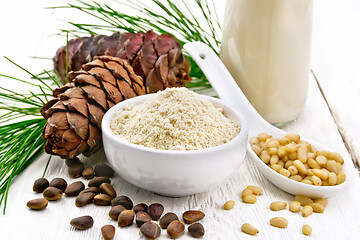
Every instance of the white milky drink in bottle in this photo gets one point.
(266, 46)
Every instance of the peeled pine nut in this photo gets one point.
(341, 177)
(263, 136)
(254, 141)
(325, 153)
(255, 189)
(246, 191)
(229, 205)
(300, 167)
(321, 173)
(309, 173)
(293, 170)
(279, 222)
(256, 149)
(316, 180)
(291, 147)
(282, 151)
(251, 198)
(332, 179)
(317, 207)
(302, 154)
(273, 151)
(297, 178)
(294, 206)
(331, 166)
(337, 157)
(277, 205)
(276, 167)
(265, 156)
(292, 156)
(249, 229)
(293, 137)
(307, 211)
(322, 201)
(306, 229)
(321, 160)
(285, 172)
(307, 181)
(274, 159)
(288, 163)
(281, 162)
(313, 164)
(303, 200)
(283, 141)
(273, 144)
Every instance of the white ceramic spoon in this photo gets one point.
(226, 88)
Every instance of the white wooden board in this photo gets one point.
(29, 37)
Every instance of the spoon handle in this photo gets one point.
(224, 84)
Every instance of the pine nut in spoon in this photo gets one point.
(226, 88)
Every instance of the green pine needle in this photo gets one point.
(21, 127)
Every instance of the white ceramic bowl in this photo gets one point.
(172, 172)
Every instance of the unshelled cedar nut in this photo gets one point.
(52, 193)
(74, 188)
(103, 170)
(88, 173)
(94, 190)
(115, 211)
(126, 218)
(175, 229)
(82, 223)
(192, 216)
(122, 200)
(141, 218)
(75, 171)
(155, 211)
(108, 232)
(167, 219)
(84, 199)
(102, 199)
(59, 183)
(150, 230)
(96, 182)
(72, 161)
(37, 204)
(40, 185)
(196, 230)
(141, 207)
(107, 189)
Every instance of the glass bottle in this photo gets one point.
(266, 46)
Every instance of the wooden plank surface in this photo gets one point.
(336, 61)
(340, 220)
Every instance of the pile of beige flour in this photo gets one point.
(174, 119)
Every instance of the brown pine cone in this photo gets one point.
(74, 115)
(158, 59)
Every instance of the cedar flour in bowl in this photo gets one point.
(174, 142)
(174, 119)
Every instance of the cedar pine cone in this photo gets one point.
(158, 59)
(74, 115)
